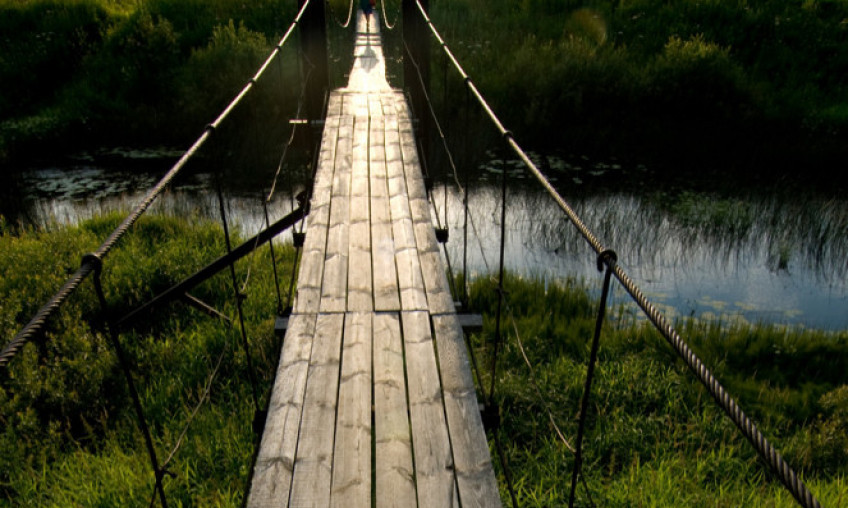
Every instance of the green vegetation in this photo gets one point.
(752, 84)
(694, 83)
(654, 435)
(86, 72)
(68, 433)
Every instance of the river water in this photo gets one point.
(760, 258)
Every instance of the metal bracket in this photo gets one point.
(491, 416)
(442, 235)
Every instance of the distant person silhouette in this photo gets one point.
(367, 8)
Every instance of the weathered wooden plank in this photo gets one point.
(312, 265)
(311, 481)
(334, 285)
(439, 299)
(360, 289)
(474, 473)
(272, 473)
(352, 457)
(335, 104)
(434, 475)
(410, 279)
(394, 484)
(386, 293)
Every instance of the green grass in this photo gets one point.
(69, 435)
(654, 436)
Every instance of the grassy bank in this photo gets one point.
(739, 84)
(753, 85)
(68, 434)
(654, 436)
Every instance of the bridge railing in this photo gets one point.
(92, 264)
(607, 261)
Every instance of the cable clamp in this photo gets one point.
(607, 257)
(94, 260)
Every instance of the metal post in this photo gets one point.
(313, 40)
(607, 258)
(416, 38)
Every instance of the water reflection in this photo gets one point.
(757, 258)
(788, 266)
(71, 195)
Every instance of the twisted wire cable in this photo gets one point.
(336, 19)
(37, 323)
(448, 152)
(786, 474)
(386, 19)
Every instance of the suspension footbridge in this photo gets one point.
(373, 391)
(374, 403)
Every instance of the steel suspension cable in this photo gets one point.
(349, 13)
(786, 474)
(37, 323)
(386, 19)
(449, 155)
(267, 200)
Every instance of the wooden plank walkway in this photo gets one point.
(373, 403)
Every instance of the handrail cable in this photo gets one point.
(349, 13)
(386, 19)
(272, 191)
(786, 474)
(451, 162)
(36, 324)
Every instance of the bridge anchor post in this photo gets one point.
(417, 60)
(313, 41)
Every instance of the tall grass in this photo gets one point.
(69, 435)
(654, 435)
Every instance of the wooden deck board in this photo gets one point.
(373, 402)
(386, 297)
(473, 465)
(352, 456)
(272, 474)
(394, 485)
(334, 286)
(431, 444)
(360, 288)
(311, 481)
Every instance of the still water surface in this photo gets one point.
(762, 259)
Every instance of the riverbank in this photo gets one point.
(82, 74)
(654, 436)
(729, 87)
